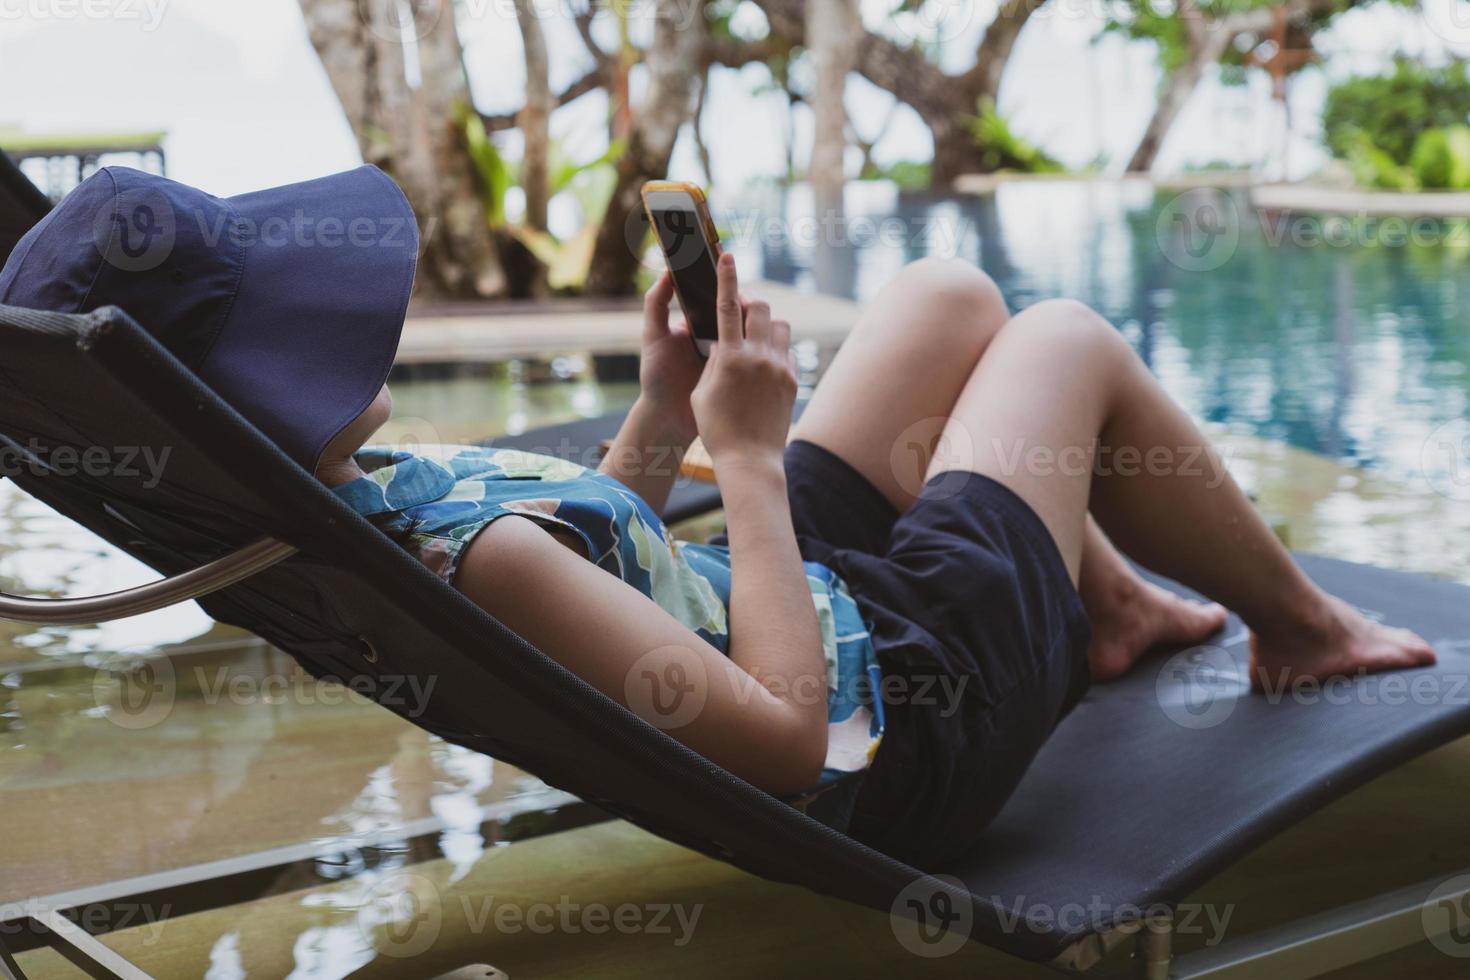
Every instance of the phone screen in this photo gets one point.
(691, 260)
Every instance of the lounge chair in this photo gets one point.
(1114, 816)
(21, 205)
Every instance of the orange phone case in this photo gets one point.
(701, 206)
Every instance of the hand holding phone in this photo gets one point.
(686, 234)
(742, 404)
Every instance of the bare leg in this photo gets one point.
(1130, 614)
(1062, 411)
(886, 400)
(883, 403)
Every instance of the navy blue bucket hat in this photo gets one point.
(288, 302)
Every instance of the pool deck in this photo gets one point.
(1317, 198)
(1303, 196)
(449, 333)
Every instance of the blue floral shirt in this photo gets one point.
(451, 493)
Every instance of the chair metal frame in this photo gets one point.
(193, 584)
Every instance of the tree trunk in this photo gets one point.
(415, 134)
(831, 26)
(696, 128)
(1173, 94)
(942, 100)
(996, 46)
(955, 151)
(678, 42)
(535, 119)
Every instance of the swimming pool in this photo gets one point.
(1343, 336)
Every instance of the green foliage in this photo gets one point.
(1161, 23)
(494, 173)
(591, 183)
(1001, 149)
(1373, 167)
(1212, 166)
(1441, 158)
(909, 175)
(1392, 110)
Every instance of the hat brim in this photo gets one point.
(316, 320)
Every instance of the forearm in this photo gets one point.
(646, 453)
(774, 633)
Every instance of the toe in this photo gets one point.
(1416, 651)
(1194, 621)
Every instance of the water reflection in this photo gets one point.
(1356, 350)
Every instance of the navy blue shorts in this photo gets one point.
(981, 636)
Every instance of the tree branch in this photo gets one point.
(735, 53)
(994, 50)
(582, 17)
(903, 71)
(595, 78)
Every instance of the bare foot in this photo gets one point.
(1344, 642)
(1139, 615)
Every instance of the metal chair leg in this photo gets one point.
(1154, 948)
(9, 969)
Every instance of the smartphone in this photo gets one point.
(686, 233)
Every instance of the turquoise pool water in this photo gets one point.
(1342, 336)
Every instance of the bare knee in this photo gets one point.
(952, 282)
(1071, 329)
(947, 302)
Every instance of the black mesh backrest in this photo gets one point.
(21, 205)
(100, 381)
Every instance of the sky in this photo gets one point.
(246, 104)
